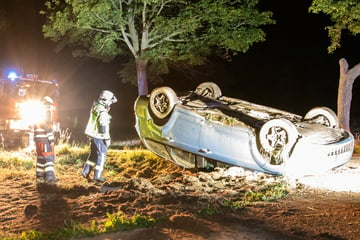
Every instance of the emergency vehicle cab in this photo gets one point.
(21, 107)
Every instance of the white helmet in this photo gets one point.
(107, 97)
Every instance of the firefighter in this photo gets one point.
(44, 143)
(98, 130)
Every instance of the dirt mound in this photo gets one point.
(204, 205)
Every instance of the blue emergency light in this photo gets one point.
(12, 76)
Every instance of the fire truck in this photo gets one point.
(21, 108)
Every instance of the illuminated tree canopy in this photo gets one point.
(344, 14)
(154, 31)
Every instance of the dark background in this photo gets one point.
(291, 70)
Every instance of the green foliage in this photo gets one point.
(155, 69)
(115, 222)
(345, 15)
(267, 193)
(234, 204)
(119, 222)
(71, 230)
(156, 32)
(207, 211)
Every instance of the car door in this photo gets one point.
(225, 143)
(183, 130)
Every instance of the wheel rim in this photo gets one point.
(324, 116)
(277, 137)
(161, 103)
(209, 89)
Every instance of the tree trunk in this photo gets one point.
(346, 81)
(142, 81)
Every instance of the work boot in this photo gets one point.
(40, 180)
(51, 180)
(98, 177)
(86, 171)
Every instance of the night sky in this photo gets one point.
(291, 70)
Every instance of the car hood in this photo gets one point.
(316, 133)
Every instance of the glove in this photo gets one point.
(107, 142)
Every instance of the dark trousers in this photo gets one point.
(45, 160)
(96, 158)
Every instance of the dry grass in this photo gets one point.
(135, 163)
(16, 163)
(357, 144)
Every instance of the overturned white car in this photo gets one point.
(204, 128)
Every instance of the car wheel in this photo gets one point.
(209, 89)
(277, 137)
(162, 102)
(324, 116)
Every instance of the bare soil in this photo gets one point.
(193, 205)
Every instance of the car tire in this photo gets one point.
(324, 116)
(209, 89)
(162, 101)
(277, 138)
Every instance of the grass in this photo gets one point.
(207, 211)
(115, 222)
(15, 163)
(71, 154)
(357, 144)
(119, 222)
(121, 164)
(267, 193)
(70, 158)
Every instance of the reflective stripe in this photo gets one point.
(40, 170)
(49, 164)
(49, 169)
(40, 136)
(99, 168)
(90, 163)
(39, 131)
(43, 135)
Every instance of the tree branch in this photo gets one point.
(168, 38)
(98, 29)
(162, 5)
(103, 44)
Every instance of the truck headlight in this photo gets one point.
(32, 111)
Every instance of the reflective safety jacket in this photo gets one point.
(98, 125)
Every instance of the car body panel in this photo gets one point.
(226, 130)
